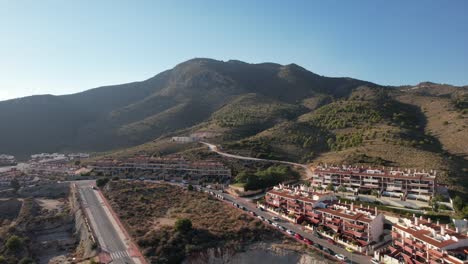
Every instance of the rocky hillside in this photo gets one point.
(119, 116)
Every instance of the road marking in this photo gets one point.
(119, 254)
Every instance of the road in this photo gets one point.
(108, 233)
(355, 258)
(215, 149)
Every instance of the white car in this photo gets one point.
(340, 256)
(275, 224)
(375, 261)
(290, 232)
(274, 218)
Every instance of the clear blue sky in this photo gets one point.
(60, 47)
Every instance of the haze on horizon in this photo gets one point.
(58, 47)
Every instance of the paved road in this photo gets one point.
(107, 234)
(214, 148)
(355, 258)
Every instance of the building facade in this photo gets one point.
(405, 184)
(169, 168)
(419, 240)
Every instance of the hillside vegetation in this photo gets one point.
(171, 224)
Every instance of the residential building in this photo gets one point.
(419, 240)
(405, 184)
(167, 168)
(296, 201)
(7, 160)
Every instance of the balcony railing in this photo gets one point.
(398, 243)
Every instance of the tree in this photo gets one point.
(101, 182)
(342, 188)
(15, 185)
(190, 187)
(2, 260)
(375, 193)
(330, 187)
(14, 243)
(183, 225)
(26, 260)
(458, 203)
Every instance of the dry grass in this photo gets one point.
(149, 211)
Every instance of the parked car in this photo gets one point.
(308, 241)
(275, 224)
(261, 209)
(274, 218)
(318, 246)
(253, 213)
(269, 221)
(326, 250)
(349, 249)
(282, 228)
(261, 217)
(340, 256)
(298, 236)
(375, 261)
(290, 232)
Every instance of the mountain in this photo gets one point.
(119, 116)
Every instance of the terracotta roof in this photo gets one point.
(290, 196)
(424, 235)
(355, 217)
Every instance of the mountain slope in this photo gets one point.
(120, 116)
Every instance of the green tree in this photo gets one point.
(330, 187)
(342, 188)
(190, 187)
(14, 243)
(26, 260)
(183, 225)
(101, 182)
(15, 185)
(458, 203)
(2, 260)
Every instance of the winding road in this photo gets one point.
(215, 149)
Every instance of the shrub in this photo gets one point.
(101, 182)
(14, 243)
(26, 260)
(183, 225)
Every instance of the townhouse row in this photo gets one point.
(170, 168)
(405, 184)
(353, 226)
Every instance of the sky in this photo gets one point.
(61, 47)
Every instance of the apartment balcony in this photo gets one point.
(398, 243)
(315, 215)
(420, 190)
(367, 185)
(419, 245)
(355, 233)
(334, 227)
(421, 254)
(408, 249)
(309, 208)
(435, 253)
(336, 221)
(393, 188)
(360, 227)
(395, 235)
(408, 241)
(371, 180)
(419, 184)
